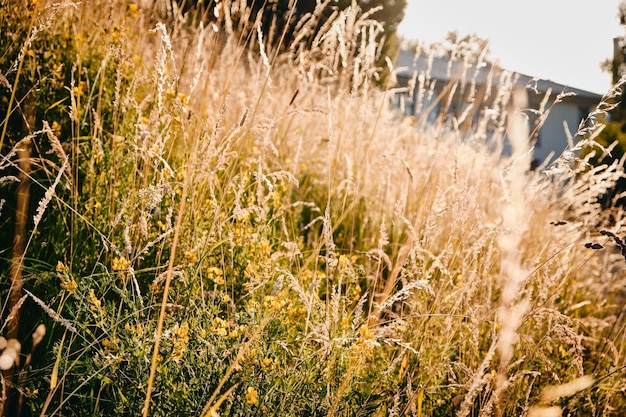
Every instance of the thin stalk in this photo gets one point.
(17, 78)
(168, 279)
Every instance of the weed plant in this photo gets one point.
(207, 226)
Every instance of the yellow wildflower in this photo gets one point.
(96, 304)
(266, 363)
(31, 393)
(365, 333)
(67, 282)
(216, 275)
(219, 327)
(79, 90)
(252, 396)
(69, 286)
(343, 263)
(180, 336)
(264, 247)
(93, 299)
(115, 34)
(110, 346)
(161, 225)
(170, 94)
(120, 264)
(56, 128)
(133, 9)
(190, 257)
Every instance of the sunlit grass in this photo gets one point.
(291, 243)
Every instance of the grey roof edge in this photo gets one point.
(444, 69)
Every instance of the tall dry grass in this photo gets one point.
(228, 229)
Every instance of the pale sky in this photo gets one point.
(561, 40)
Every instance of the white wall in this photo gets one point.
(553, 137)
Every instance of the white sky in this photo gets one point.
(561, 40)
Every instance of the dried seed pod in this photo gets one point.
(594, 245)
(8, 357)
(38, 334)
(15, 345)
(6, 361)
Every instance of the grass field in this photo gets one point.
(196, 224)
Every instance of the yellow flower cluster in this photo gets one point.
(180, 338)
(240, 233)
(273, 303)
(252, 396)
(110, 346)
(96, 305)
(269, 364)
(264, 247)
(365, 333)
(67, 282)
(251, 271)
(249, 356)
(219, 327)
(365, 336)
(237, 331)
(56, 127)
(190, 257)
(343, 263)
(138, 329)
(133, 9)
(79, 90)
(120, 264)
(182, 97)
(216, 275)
(115, 33)
(162, 226)
(222, 328)
(32, 5)
(295, 313)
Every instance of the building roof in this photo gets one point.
(445, 69)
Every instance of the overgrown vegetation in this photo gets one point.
(205, 226)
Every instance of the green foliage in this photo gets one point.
(612, 136)
(608, 148)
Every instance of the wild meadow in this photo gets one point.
(196, 223)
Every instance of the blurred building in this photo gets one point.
(472, 97)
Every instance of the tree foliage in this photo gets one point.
(469, 47)
(279, 19)
(613, 136)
